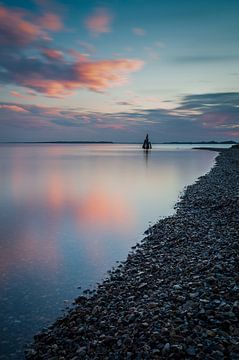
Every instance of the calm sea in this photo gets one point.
(68, 213)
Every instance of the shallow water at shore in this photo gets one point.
(68, 213)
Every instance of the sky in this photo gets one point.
(88, 70)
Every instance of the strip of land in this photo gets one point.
(176, 295)
(209, 148)
(56, 142)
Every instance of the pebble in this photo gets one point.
(166, 349)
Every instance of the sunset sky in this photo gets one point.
(114, 70)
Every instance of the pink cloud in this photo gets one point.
(49, 87)
(22, 96)
(77, 55)
(62, 78)
(214, 120)
(53, 74)
(52, 54)
(17, 29)
(17, 94)
(99, 22)
(31, 93)
(50, 21)
(139, 31)
(101, 75)
(14, 108)
(14, 29)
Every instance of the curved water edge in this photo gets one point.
(42, 205)
(175, 296)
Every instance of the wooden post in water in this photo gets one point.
(147, 144)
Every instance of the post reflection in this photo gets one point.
(147, 154)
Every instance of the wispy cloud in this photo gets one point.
(14, 108)
(204, 58)
(17, 94)
(152, 53)
(89, 48)
(52, 54)
(111, 126)
(139, 31)
(99, 21)
(159, 44)
(210, 100)
(50, 21)
(136, 101)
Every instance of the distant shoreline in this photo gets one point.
(57, 142)
(202, 143)
(229, 142)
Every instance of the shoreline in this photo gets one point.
(175, 296)
(209, 149)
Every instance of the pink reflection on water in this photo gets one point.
(102, 216)
(48, 200)
(105, 209)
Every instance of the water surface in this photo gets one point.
(68, 213)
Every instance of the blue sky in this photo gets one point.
(113, 70)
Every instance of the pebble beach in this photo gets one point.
(176, 296)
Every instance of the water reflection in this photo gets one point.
(146, 155)
(67, 213)
(30, 232)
